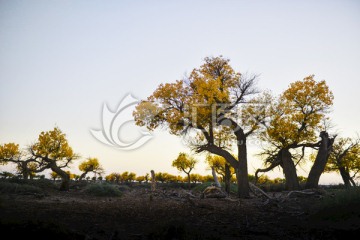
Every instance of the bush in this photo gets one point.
(102, 190)
(9, 187)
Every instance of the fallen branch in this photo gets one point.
(300, 192)
(254, 188)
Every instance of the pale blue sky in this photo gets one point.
(61, 60)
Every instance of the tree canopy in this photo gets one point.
(205, 106)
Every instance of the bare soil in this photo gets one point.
(166, 214)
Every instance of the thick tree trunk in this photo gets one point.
(227, 179)
(242, 170)
(24, 169)
(320, 161)
(25, 175)
(289, 170)
(345, 176)
(189, 180)
(65, 178)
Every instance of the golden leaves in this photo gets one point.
(9, 151)
(299, 112)
(184, 162)
(91, 164)
(53, 145)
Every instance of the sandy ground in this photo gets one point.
(139, 214)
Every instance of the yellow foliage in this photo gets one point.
(345, 154)
(9, 151)
(184, 163)
(219, 163)
(53, 145)
(91, 165)
(298, 113)
(194, 101)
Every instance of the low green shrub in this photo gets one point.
(102, 190)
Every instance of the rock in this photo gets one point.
(213, 192)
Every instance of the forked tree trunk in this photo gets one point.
(242, 170)
(320, 161)
(345, 176)
(227, 178)
(289, 170)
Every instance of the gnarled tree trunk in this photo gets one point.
(320, 161)
(65, 178)
(189, 180)
(289, 170)
(82, 175)
(25, 170)
(242, 170)
(345, 176)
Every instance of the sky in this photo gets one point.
(61, 61)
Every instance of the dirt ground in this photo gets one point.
(166, 214)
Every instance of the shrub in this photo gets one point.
(102, 190)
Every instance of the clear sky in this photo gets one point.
(61, 60)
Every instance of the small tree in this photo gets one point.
(208, 178)
(53, 151)
(345, 159)
(140, 179)
(221, 167)
(131, 177)
(125, 176)
(185, 163)
(196, 178)
(147, 177)
(90, 165)
(26, 165)
(113, 177)
(161, 177)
